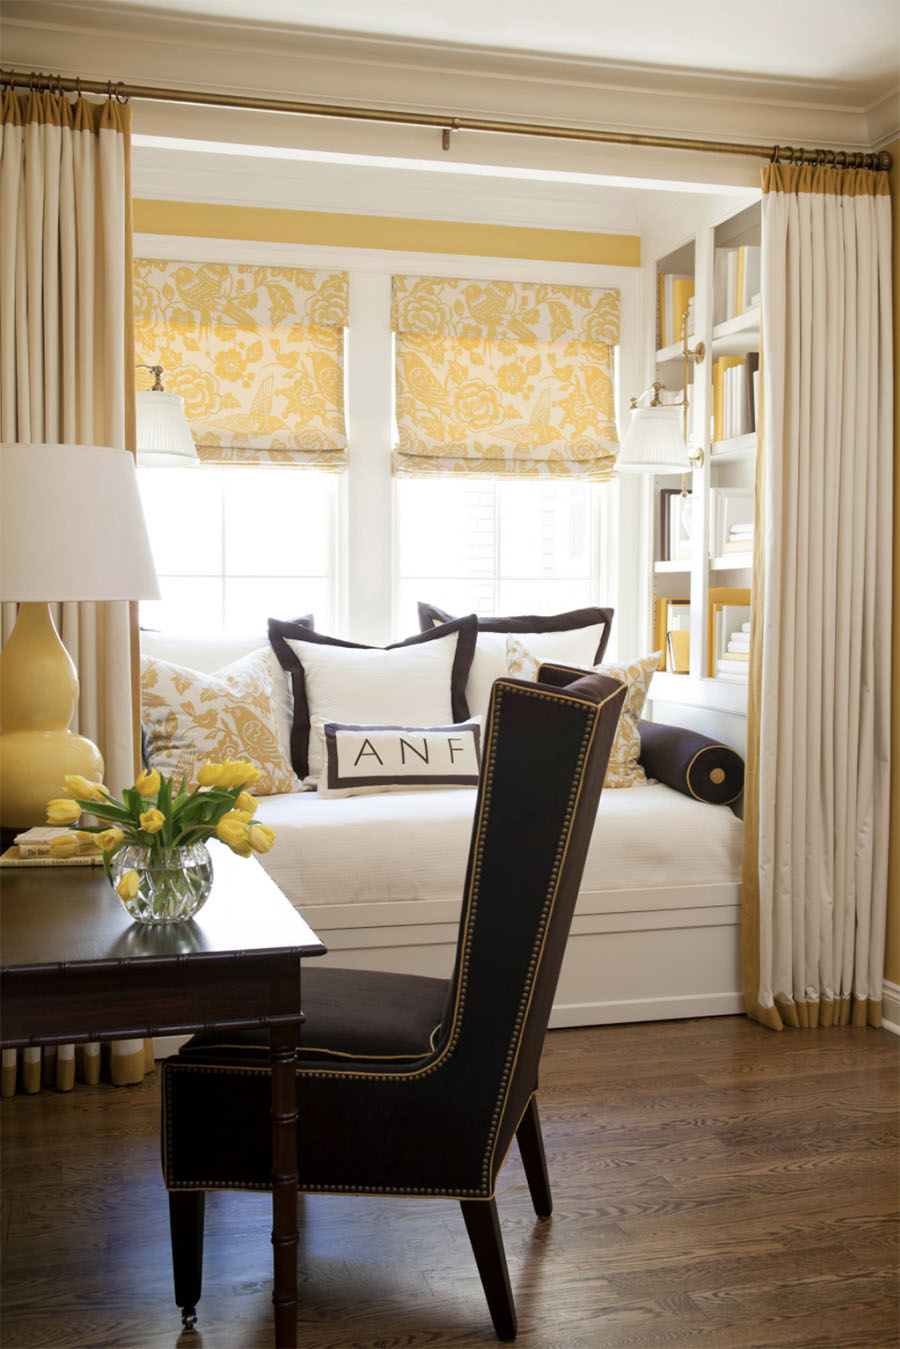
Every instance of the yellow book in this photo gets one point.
(678, 648)
(719, 596)
(719, 367)
(682, 292)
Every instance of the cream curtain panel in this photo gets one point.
(257, 354)
(66, 360)
(816, 840)
(504, 377)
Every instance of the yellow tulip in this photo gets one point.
(232, 829)
(209, 774)
(128, 885)
(152, 821)
(108, 839)
(238, 773)
(260, 837)
(84, 789)
(246, 802)
(62, 811)
(64, 845)
(147, 783)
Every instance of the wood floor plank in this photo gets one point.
(716, 1186)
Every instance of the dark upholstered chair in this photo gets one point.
(416, 1086)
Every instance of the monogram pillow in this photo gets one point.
(624, 769)
(240, 712)
(358, 760)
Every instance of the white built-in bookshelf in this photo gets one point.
(703, 542)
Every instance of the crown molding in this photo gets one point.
(166, 49)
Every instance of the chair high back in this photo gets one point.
(435, 1114)
(544, 760)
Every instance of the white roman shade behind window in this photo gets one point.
(504, 377)
(257, 354)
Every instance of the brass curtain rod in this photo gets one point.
(776, 154)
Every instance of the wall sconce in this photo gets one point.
(164, 438)
(656, 440)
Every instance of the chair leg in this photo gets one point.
(483, 1227)
(186, 1208)
(531, 1150)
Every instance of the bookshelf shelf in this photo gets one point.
(738, 447)
(732, 562)
(720, 269)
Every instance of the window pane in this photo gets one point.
(456, 597)
(544, 529)
(190, 606)
(251, 602)
(183, 507)
(445, 528)
(233, 546)
(542, 597)
(277, 521)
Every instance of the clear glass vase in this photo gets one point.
(172, 885)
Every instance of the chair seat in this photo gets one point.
(350, 1015)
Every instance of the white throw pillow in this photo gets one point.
(376, 686)
(360, 760)
(576, 646)
(623, 770)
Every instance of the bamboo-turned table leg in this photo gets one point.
(282, 1042)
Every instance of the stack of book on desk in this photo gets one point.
(32, 848)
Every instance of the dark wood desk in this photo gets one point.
(74, 968)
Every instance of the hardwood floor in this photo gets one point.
(716, 1185)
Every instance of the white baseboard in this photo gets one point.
(890, 1007)
(670, 1008)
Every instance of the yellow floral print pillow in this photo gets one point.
(624, 769)
(189, 717)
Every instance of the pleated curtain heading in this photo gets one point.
(504, 378)
(257, 354)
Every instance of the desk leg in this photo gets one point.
(283, 1042)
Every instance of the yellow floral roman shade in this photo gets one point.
(504, 377)
(257, 354)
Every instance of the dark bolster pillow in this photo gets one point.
(691, 763)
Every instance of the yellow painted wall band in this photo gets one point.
(271, 225)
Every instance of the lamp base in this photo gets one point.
(33, 769)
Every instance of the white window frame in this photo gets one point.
(366, 543)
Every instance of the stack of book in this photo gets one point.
(676, 294)
(736, 281)
(32, 848)
(734, 661)
(735, 386)
(678, 636)
(740, 538)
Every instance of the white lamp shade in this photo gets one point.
(164, 438)
(654, 442)
(71, 525)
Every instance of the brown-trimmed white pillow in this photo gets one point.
(360, 760)
(188, 717)
(623, 769)
(419, 682)
(577, 637)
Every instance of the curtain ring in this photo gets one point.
(78, 86)
(120, 97)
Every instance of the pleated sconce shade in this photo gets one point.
(654, 442)
(164, 439)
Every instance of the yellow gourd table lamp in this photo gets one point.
(71, 528)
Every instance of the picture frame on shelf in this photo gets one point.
(729, 610)
(674, 525)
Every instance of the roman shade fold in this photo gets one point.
(504, 377)
(257, 354)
